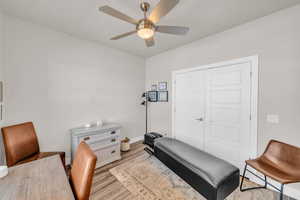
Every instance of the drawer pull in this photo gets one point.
(86, 138)
(113, 152)
(113, 132)
(113, 140)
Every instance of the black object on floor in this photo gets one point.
(149, 138)
(212, 177)
(149, 151)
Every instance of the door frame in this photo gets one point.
(253, 60)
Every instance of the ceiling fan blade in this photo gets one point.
(115, 13)
(150, 42)
(176, 30)
(162, 9)
(123, 35)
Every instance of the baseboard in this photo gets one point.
(136, 139)
(288, 190)
(68, 160)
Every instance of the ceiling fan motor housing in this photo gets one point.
(145, 24)
(145, 6)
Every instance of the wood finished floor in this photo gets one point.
(106, 186)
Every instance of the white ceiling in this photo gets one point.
(82, 19)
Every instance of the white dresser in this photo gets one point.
(104, 141)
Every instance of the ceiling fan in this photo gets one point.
(146, 27)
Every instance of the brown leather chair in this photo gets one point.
(82, 171)
(280, 162)
(21, 145)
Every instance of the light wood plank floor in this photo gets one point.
(106, 186)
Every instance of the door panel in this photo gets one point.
(221, 97)
(190, 107)
(227, 133)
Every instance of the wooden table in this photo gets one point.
(43, 179)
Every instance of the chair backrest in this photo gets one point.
(20, 141)
(283, 155)
(82, 171)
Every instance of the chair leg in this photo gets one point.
(244, 173)
(253, 188)
(266, 183)
(281, 192)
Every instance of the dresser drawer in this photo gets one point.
(102, 143)
(96, 137)
(103, 140)
(107, 155)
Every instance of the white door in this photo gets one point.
(190, 108)
(221, 97)
(227, 133)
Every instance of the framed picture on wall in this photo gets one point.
(162, 86)
(152, 96)
(154, 87)
(163, 96)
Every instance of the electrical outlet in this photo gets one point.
(273, 119)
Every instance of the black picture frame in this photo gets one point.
(163, 96)
(152, 95)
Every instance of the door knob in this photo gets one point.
(200, 119)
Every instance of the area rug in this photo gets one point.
(149, 179)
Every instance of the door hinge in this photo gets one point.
(250, 117)
(251, 73)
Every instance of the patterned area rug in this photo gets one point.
(149, 179)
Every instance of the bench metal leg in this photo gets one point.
(262, 187)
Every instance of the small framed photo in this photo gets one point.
(162, 86)
(152, 96)
(154, 87)
(163, 96)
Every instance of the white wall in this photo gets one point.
(276, 39)
(59, 82)
(1, 79)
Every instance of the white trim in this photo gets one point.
(136, 139)
(254, 93)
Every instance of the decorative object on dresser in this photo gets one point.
(103, 140)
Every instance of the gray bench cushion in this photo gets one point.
(210, 168)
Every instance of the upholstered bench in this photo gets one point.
(212, 177)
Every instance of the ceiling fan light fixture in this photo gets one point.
(146, 33)
(145, 29)
(147, 26)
